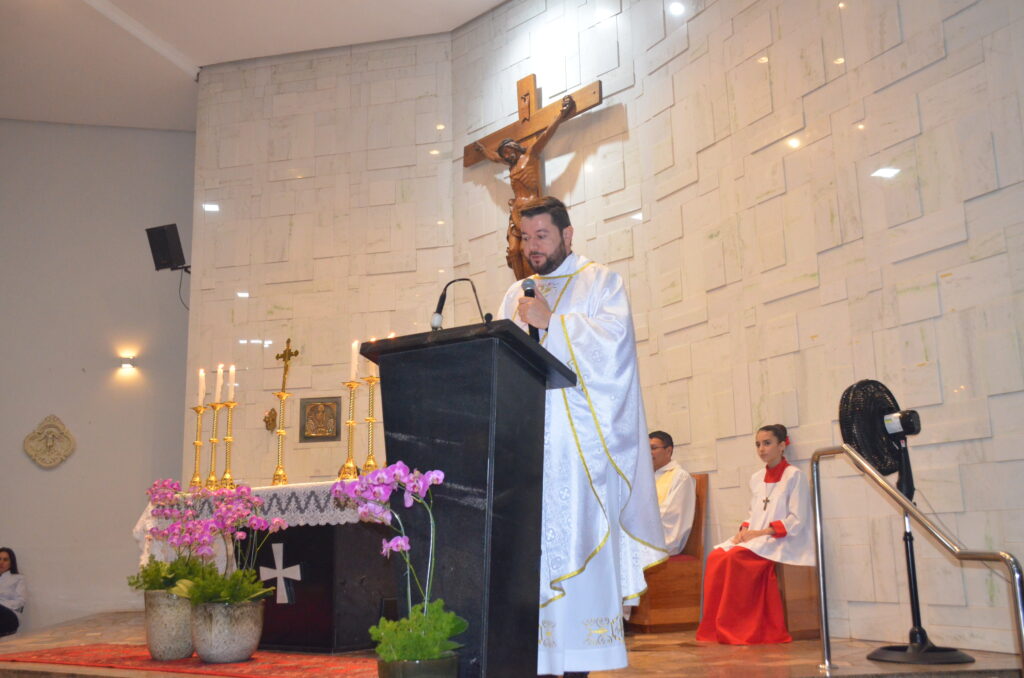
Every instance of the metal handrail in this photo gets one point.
(950, 544)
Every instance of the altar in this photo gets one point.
(331, 582)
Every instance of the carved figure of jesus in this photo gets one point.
(525, 177)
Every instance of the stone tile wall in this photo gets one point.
(727, 176)
(334, 189)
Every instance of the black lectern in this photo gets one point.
(470, 402)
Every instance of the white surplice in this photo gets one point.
(789, 502)
(600, 524)
(677, 500)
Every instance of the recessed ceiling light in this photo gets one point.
(762, 60)
(434, 151)
(886, 172)
(440, 222)
(243, 341)
(860, 125)
(639, 216)
(842, 5)
(793, 143)
(211, 207)
(242, 295)
(676, 8)
(839, 60)
(439, 126)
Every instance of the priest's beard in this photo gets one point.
(551, 261)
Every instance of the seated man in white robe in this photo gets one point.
(677, 496)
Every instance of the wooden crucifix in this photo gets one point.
(519, 146)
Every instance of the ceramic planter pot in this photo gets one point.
(227, 632)
(445, 667)
(168, 626)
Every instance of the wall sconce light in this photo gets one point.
(126, 362)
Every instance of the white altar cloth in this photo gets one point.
(298, 504)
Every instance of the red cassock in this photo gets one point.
(742, 603)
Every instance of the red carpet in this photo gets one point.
(265, 664)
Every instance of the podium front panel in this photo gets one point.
(475, 410)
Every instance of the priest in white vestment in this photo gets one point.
(677, 493)
(600, 522)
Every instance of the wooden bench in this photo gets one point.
(672, 601)
(799, 588)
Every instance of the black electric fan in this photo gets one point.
(873, 424)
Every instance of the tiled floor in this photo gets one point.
(667, 654)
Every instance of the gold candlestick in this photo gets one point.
(280, 477)
(211, 480)
(226, 480)
(197, 481)
(371, 463)
(349, 470)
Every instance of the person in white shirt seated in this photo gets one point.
(12, 592)
(676, 492)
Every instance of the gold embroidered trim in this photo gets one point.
(590, 481)
(604, 445)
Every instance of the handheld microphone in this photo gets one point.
(530, 290)
(436, 319)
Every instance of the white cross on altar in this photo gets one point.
(280, 572)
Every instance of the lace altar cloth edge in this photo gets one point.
(298, 504)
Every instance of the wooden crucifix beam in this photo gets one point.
(532, 121)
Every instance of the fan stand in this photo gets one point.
(920, 650)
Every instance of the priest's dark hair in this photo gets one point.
(665, 438)
(14, 559)
(777, 430)
(547, 205)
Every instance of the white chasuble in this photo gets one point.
(788, 501)
(600, 522)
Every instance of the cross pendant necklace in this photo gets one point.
(767, 496)
(766, 500)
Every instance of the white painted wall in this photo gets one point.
(78, 286)
(765, 278)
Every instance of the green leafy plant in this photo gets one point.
(424, 634)
(213, 586)
(157, 575)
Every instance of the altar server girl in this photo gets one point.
(742, 604)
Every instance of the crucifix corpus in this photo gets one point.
(519, 146)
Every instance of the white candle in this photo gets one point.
(202, 387)
(231, 384)
(354, 361)
(220, 383)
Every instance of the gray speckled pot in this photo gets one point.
(224, 633)
(168, 626)
(445, 667)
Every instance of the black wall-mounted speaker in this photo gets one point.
(165, 245)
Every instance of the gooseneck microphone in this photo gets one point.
(530, 290)
(436, 319)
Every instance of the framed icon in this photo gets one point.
(320, 419)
